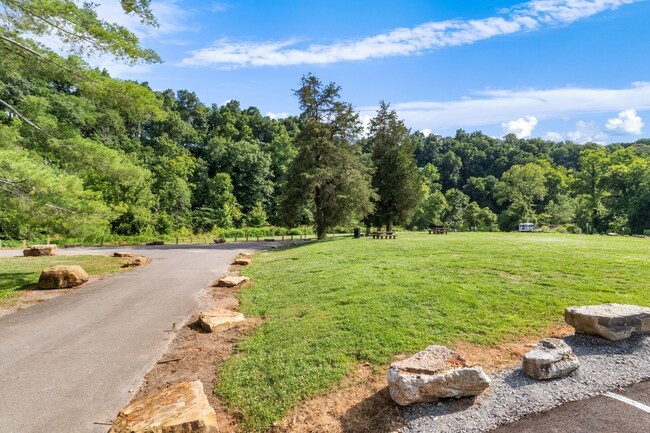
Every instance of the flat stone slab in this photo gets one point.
(242, 261)
(551, 358)
(40, 250)
(123, 254)
(181, 408)
(231, 281)
(611, 321)
(153, 243)
(434, 373)
(220, 319)
(133, 262)
(62, 277)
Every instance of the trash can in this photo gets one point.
(357, 232)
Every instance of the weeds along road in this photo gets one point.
(76, 360)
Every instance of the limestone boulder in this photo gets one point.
(123, 254)
(231, 281)
(611, 321)
(219, 241)
(434, 373)
(181, 408)
(40, 250)
(61, 277)
(242, 261)
(551, 358)
(269, 240)
(136, 261)
(153, 243)
(219, 319)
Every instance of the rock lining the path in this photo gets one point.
(219, 319)
(181, 408)
(40, 250)
(231, 281)
(133, 262)
(551, 358)
(123, 254)
(611, 321)
(62, 277)
(242, 261)
(434, 373)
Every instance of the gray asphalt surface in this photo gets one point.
(597, 415)
(70, 362)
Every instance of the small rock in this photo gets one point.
(40, 250)
(231, 281)
(434, 373)
(156, 243)
(242, 261)
(612, 234)
(611, 321)
(62, 276)
(136, 261)
(181, 408)
(269, 240)
(123, 254)
(219, 319)
(219, 241)
(551, 358)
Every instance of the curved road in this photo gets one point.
(70, 362)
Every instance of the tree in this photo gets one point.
(396, 178)
(327, 176)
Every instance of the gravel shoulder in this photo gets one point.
(605, 366)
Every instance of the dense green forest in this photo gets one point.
(83, 154)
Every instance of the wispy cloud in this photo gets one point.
(219, 7)
(494, 107)
(530, 16)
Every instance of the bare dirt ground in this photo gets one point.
(360, 404)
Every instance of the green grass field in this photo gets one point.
(332, 304)
(18, 273)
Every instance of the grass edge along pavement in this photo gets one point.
(19, 273)
(329, 305)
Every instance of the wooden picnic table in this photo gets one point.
(384, 235)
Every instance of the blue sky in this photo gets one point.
(558, 69)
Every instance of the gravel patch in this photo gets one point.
(604, 366)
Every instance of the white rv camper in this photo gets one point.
(526, 227)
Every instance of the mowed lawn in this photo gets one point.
(18, 273)
(329, 305)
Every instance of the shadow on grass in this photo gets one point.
(14, 281)
(377, 413)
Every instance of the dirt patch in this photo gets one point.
(360, 404)
(511, 277)
(506, 355)
(196, 354)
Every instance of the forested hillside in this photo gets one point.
(83, 154)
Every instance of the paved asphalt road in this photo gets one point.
(71, 361)
(602, 414)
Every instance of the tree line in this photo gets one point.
(83, 154)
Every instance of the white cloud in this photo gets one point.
(554, 136)
(426, 132)
(627, 122)
(587, 132)
(530, 16)
(219, 7)
(277, 115)
(493, 107)
(521, 127)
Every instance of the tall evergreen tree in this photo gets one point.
(327, 177)
(396, 177)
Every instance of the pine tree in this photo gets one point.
(327, 178)
(396, 176)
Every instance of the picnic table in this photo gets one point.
(384, 235)
(438, 230)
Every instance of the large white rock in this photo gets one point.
(611, 321)
(219, 319)
(551, 358)
(242, 261)
(434, 373)
(182, 408)
(40, 250)
(62, 276)
(231, 281)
